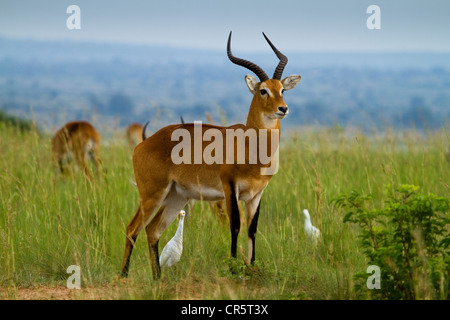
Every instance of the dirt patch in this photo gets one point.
(61, 293)
(129, 289)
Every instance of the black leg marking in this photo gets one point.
(252, 231)
(126, 267)
(235, 221)
(155, 263)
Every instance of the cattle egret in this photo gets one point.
(312, 232)
(171, 253)
(133, 183)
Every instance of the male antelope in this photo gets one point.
(134, 134)
(168, 186)
(217, 207)
(76, 140)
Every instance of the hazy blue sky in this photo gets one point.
(321, 25)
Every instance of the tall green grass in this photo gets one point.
(48, 223)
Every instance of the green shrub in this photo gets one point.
(408, 240)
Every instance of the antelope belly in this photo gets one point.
(200, 192)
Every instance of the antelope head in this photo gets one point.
(267, 105)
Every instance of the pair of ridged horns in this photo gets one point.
(256, 69)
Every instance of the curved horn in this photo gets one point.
(246, 64)
(283, 60)
(143, 131)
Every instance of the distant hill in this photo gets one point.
(61, 81)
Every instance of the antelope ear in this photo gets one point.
(290, 82)
(251, 83)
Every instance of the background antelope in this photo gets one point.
(134, 134)
(164, 187)
(76, 140)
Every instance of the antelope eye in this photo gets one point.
(263, 91)
(282, 91)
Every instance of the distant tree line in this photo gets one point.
(19, 123)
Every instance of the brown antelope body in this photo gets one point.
(79, 141)
(134, 134)
(165, 187)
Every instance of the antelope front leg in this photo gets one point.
(252, 207)
(233, 215)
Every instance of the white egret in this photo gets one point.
(312, 232)
(171, 253)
